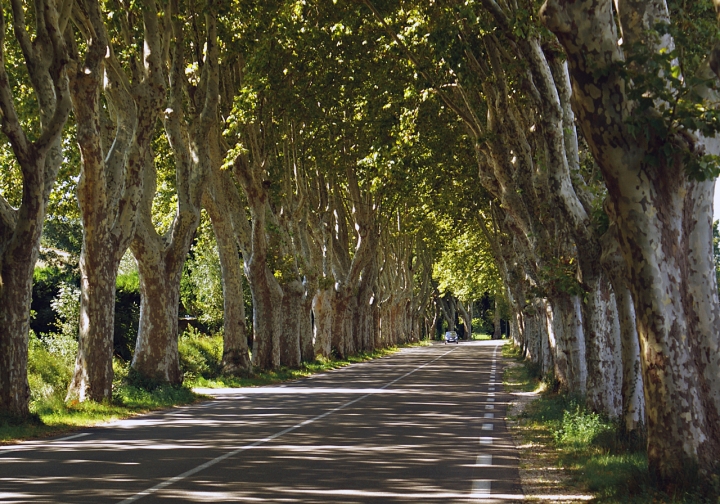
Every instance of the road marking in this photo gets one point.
(210, 463)
(486, 440)
(13, 448)
(489, 406)
(487, 426)
(489, 415)
(68, 438)
(483, 460)
(480, 487)
(491, 399)
(491, 388)
(491, 394)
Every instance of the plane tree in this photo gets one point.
(36, 145)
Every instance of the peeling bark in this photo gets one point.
(664, 220)
(20, 229)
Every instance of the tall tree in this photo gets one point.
(110, 177)
(189, 119)
(46, 58)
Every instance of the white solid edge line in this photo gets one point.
(210, 463)
(12, 448)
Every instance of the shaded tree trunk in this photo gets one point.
(20, 229)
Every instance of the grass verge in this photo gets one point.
(600, 459)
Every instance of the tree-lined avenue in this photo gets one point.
(413, 427)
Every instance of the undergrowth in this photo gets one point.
(600, 457)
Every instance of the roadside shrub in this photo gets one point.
(67, 306)
(580, 427)
(200, 354)
(51, 360)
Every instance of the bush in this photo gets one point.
(200, 354)
(580, 427)
(51, 360)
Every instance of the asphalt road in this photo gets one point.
(424, 425)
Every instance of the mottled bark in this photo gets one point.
(633, 407)
(323, 314)
(603, 349)
(236, 357)
(664, 226)
(569, 357)
(292, 313)
(20, 229)
(109, 186)
(161, 258)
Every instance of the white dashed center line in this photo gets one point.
(484, 460)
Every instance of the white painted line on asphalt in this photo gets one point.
(489, 415)
(491, 399)
(29, 446)
(491, 388)
(486, 440)
(489, 406)
(487, 426)
(483, 460)
(480, 487)
(210, 463)
(491, 394)
(68, 438)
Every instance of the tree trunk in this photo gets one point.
(339, 302)
(604, 364)
(93, 374)
(633, 405)
(15, 299)
(20, 229)
(570, 361)
(156, 351)
(292, 312)
(236, 357)
(497, 332)
(323, 313)
(267, 297)
(307, 351)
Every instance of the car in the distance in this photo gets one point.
(451, 337)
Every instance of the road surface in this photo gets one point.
(423, 425)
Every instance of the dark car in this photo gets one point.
(451, 337)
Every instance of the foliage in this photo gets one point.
(201, 291)
(127, 313)
(67, 307)
(200, 354)
(46, 286)
(51, 360)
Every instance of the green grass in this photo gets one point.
(601, 459)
